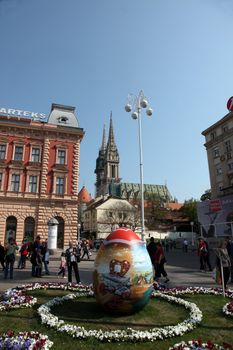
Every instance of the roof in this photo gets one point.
(218, 123)
(84, 196)
(174, 206)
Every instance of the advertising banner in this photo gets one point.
(216, 216)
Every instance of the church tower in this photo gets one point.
(107, 163)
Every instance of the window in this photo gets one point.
(0, 181)
(18, 153)
(230, 166)
(60, 185)
(110, 214)
(225, 128)
(216, 152)
(213, 135)
(35, 156)
(227, 146)
(219, 170)
(15, 182)
(61, 156)
(32, 186)
(2, 151)
(120, 215)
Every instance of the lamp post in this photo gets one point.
(135, 105)
(192, 223)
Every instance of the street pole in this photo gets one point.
(141, 175)
(139, 102)
(192, 223)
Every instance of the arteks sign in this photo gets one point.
(19, 113)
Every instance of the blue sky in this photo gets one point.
(92, 53)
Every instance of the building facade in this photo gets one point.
(218, 144)
(105, 214)
(39, 166)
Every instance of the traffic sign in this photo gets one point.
(230, 104)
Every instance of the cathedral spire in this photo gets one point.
(111, 141)
(103, 146)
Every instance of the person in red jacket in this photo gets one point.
(159, 259)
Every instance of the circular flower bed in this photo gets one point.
(15, 298)
(120, 335)
(25, 341)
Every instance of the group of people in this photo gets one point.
(36, 252)
(39, 257)
(7, 257)
(158, 259)
(223, 259)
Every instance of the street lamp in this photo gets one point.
(134, 105)
(192, 223)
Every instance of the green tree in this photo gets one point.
(189, 209)
(206, 196)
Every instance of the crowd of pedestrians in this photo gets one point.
(37, 254)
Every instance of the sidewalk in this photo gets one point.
(182, 269)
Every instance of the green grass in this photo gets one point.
(157, 313)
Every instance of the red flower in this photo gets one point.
(227, 346)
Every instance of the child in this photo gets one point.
(62, 266)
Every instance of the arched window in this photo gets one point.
(11, 227)
(60, 232)
(29, 229)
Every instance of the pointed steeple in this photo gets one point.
(103, 146)
(111, 146)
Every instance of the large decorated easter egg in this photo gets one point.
(123, 274)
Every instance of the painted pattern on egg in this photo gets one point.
(123, 274)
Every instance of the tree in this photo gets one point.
(189, 209)
(206, 196)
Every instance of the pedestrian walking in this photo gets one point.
(72, 259)
(151, 248)
(85, 248)
(223, 262)
(203, 253)
(34, 254)
(10, 250)
(62, 266)
(2, 256)
(38, 262)
(160, 260)
(185, 245)
(230, 253)
(45, 257)
(23, 255)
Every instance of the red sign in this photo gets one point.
(215, 205)
(230, 104)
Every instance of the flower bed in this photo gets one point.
(227, 309)
(25, 340)
(199, 345)
(120, 335)
(16, 298)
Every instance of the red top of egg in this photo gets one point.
(123, 235)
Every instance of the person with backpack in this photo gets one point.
(10, 250)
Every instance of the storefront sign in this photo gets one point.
(20, 113)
